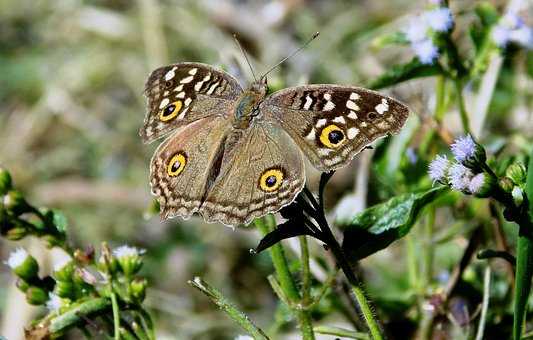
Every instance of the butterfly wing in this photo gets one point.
(181, 93)
(182, 165)
(331, 123)
(262, 170)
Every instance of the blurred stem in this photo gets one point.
(440, 99)
(306, 272)
(412, 263)
(485, 304)
(462, 108)
(341, 332)
(265, 225)
(75, 315)
(218, 299)
(428, 248)
(524, 258)
(116, 316)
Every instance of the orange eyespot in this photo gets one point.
(332, 136)
(170, 111)
(271, 180)
(176, 164)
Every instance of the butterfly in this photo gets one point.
(232, 155)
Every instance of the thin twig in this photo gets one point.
(485, 304)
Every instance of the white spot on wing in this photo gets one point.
(329, 106)
(352, 132)
(188, 101)
(354, 96)
(339, 119)
(170, 74)
(212, 88)
(327, 96)
(321, 122)
(351, 105)
(352, 115)
(193, 71)
(180, 95)
(186, 80)
(164, 103)
(179, 88)
(311, 134)
(383, 107)
(308, 102)
(324, 152)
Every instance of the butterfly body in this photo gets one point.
(236, 154)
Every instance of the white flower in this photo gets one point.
(127, 251)
(522, 36)
(501, 35)
(416, 30)
(17, 258)
(54, 302)
(511, 20)
(438, 168)
(459, 177)
(439, 19)
(463, 148)
(476, 183)
(426, 51)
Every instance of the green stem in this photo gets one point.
(485, 304)
(306, 272)
(75, 315)
(218, 299)
(440, 108)
(116, 316)
(265, 225)
(462, 107)
(428, 248)
(524, 259)
(341, 332)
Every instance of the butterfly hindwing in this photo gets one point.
(262, 170)
(332, 123)
(181, 93)
(183, 163)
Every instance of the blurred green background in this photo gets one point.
(71, 81)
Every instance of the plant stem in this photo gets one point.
(73, 316)
(428, 248)
(306, 272)
(485, 304)
(524, 258)
(217, 298)
(286, 282)
(341, 332)
(462, 108)
(116, 316)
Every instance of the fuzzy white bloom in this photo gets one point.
(500, 35)
(426, 51)
(522, 36)
(439, 19)
(416, 30)
(459, 177)
(16, 258)
(127, 251)
(438, 168)
(463, 148)
(511, 28)
(62, 261)
(54, 302)
(476, 183)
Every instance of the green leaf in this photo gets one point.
(377, 227)
(404, 72)
(60, 221)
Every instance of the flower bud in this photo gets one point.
(22, 285)
(23, 265)
(6, 183)
(138, 289)
(506, 184)
(36, 295)
(15, 203)
(64, 269)
(65, 289)
(517, 173)
(17, 233)
(129, 259)
(518, 196)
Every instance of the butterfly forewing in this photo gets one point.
(182, 93)
(331, 123)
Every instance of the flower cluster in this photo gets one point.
(468, 173)
(421, 28)
(512, 29)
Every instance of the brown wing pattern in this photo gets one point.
(262, 171)
(332, 123)
(181, 93)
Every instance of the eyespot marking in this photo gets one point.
(176, 164)
(332, 136)
(271, 180)
(170, 111)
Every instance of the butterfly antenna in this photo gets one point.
(245, 55)
(291, 55)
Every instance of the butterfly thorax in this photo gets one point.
(247, 106)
